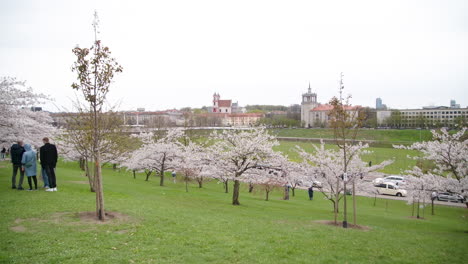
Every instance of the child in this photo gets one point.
(29, 165)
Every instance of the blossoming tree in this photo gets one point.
(241, 152)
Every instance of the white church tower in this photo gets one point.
(309, 101)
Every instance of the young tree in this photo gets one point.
(242, 151)
(326, 166)
(95, 70)
(78, 137)
(345, 121)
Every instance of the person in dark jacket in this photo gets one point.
(16, 152)
(48, 156)
(311, 192)
(3, 153)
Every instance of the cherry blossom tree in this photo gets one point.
(269, 178)
(242, 151)
(17, 121)
(156, 155)
(449, 153)
(193, 162)
(326, 166)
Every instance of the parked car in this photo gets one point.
(398, 180)
(450, 197)
(390, 188)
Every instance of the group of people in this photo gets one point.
(24, 160)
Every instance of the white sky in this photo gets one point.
(178, 53)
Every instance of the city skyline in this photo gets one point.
(177, 54)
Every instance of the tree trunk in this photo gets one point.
(354, 204)
(148, 174)
(90, 178)
(114, 166)
(345, 208)
(161, 182)
(186, 185)
(375, 199)
(235, 193)
(134, 175)
(267, 193)
(418, 210)
(293, 191)
(200, 183)
(335, 212)
(337, 197)
(226, 186)
(99, 189)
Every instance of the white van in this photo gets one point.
(390, 188)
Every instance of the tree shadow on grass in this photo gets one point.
(340, 225)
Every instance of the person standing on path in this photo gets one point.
(29, 165)
(16, 152)
(48, 155)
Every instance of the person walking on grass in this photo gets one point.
(16, 152)
(29, 165)
(48, 156)
(174, 176)
(2, 155)
(311, 192)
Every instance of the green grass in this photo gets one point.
(396, 136)
(168, 225)
(400, 156)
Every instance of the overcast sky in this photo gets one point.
(178, 53)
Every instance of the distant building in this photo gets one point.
(221, 106)
(309, 101)
(235, 108)
(379, 105)
(453, 104)
(319, 116)
(231, 114)
(437, 116)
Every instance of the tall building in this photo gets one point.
(309, 101)
(378, 103)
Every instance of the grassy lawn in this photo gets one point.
(385, 135)
(378, 155)
(168, 225)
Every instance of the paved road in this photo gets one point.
(404, 199)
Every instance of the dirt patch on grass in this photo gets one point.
(340, 224)
(19, 229)
(415, 217)
(79, 182)
(82, 220)
(111, 217)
